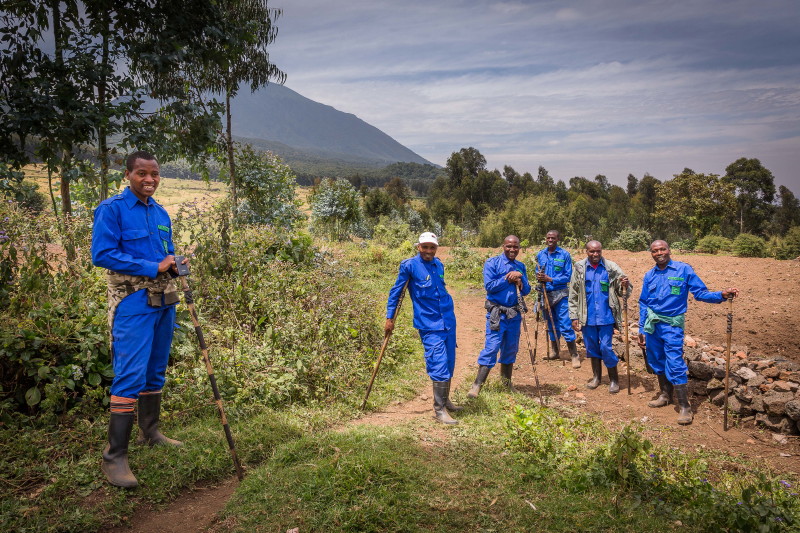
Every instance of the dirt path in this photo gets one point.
(764, 323)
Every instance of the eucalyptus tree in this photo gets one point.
(755, 191)
(246, 60)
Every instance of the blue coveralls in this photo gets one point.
(599, 328)
(667, 293)
(500, 291)
(434, 315)
(558, 265)
(131, 237)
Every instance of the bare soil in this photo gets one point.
(765, 322)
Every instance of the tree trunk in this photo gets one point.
(66, 200)
(102, 130)
(229, 142)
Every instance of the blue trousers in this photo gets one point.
(598, 343)
(562, 322)
(505, 341)
(440, 353)
(141, 345)
(665, 353)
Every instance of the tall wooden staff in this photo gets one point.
(217, 398)
(728, 363)
(627, 339)
(532, 352)
(386, 336)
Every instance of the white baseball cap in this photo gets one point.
(428, 237)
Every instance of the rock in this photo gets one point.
(775, 402)
(572, 387)
(777, 438)
(700, 370)
(762, 364)
(745, 373)
(785, 375)
(756, 381)
(792, 409)
(690, 342)
(740, 355)
(771, 372)
(744, 394)
(738, 407)
(719, 349)
(795, 387)
(757, 404)
(781, 386)
(718, 399)
(698, 387)
(580, 395)
(715, 384)
(790, 366)
(693, 355)
(777, 424)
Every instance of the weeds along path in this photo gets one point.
(563, 389)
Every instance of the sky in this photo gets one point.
(581, 87)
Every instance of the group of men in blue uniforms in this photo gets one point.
(584, 297)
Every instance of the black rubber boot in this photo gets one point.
(573, 352)
(115, 456)
(480, 379)
(506, 372)
(439, 401)
(554, 352)
(447, 403)
(597, 373)
(685, 415)
(149, 413)
(665, 396)
(613, 376)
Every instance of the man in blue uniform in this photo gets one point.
(503, 276)
(434, 318)
(594, 307)
(555, 271)
(662, 306)
(132, 239)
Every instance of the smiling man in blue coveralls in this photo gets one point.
(434, 318)
(503, 276)
(132, 239)
(555, 271)
(662, 306)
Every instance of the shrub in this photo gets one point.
(466, 263)
(746, 245)
(684, 244)
(787, 247)
(267, 188)
(712, 244)
(633, 240)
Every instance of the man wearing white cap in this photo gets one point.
(434, 318)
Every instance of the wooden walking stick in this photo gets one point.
(187, 292)
(532, 353)
(386, 336)
(728, 363)
(627, 339)
(550, 321)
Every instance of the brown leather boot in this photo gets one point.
(149, 413)
(115, 456)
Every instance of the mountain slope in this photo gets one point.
(277, 113)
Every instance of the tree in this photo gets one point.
(546, 183)
(694, 202)
(268, 190)
(398, 190)
(335, 208)
(755, 191)
(787, 212)
(633, 184)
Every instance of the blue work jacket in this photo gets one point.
(598, 309)
(433, 305)
(498, 290)
(666, 291)
(557, 265)
(131, 237)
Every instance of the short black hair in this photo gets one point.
(139, 154)
(554, 231)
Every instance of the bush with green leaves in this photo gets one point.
(267, 188)
(465, 263)
(633, 240)
(712, 244)
(747, 245)
(336, 209)
(786, 247)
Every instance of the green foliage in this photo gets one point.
(787, 247)
(392, 233)
(746, 245)
(24, 193)
(712, 244)
(466, 263)
(696, 203)
(633, 240)
(529, 219)
(336, 209)
(267, 189)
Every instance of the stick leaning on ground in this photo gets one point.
(728, 363)
(627, 340)
(550, 321)
(217, 398)
(531, 352)
(386, 336)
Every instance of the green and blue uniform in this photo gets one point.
(662, 306)
(132, 237)
(499, 291)
(599, 328)
(558, 265)
(434, 315)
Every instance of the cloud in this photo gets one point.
(596, 85)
